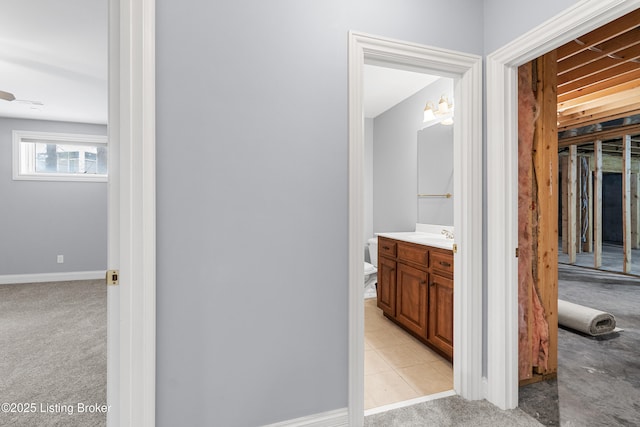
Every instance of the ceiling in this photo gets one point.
(599, 74)
(386, 87)
(55, 53)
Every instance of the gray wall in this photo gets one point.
(395, 151)
(43, 219)
(506, 20)
(252, 155)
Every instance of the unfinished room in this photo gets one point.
(579, 229)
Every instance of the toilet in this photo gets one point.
(371, 270)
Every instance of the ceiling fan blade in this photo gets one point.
(6, 96)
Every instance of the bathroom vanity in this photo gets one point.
(415, 287)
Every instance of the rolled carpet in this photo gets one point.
(584, 319)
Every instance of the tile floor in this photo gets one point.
(397, 367)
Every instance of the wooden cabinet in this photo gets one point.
(387, 285)
(412, 298)
(415, 290)
(440, 332)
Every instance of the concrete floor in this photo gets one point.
(611, 258)
(598, 380)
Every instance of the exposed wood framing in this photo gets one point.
(626, 205)
(571, 183)
(588, 245)
(564, 165)
(635, 211)
(545, 161)
(599, 74)
(597, 209)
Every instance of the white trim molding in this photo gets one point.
(52, 277)
(137, 215)
(336, 418)
(466, 70)
(502, 181)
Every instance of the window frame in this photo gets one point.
(19, 137)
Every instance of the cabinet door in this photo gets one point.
(412, 298)
(386, 289)
(441, 313)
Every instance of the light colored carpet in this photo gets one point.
(452, 411)
(585, 319)
(53, 353)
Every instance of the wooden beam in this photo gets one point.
(545, 160)
(610, 102)
(578, 189)
(597, 209)
(617, 84)
(590, 117)
(564, 165)
(626, 205)
(588, 245)
(610, 47)
(603, 64)
(602, 135)
(600, 35)
(571, 203)
(621, 93)
(599, 76)
(635, 210)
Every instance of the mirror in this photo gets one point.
(435, 175)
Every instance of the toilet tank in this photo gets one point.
(373, 251)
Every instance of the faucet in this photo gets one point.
(447, 234)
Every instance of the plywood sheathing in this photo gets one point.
(537, 165)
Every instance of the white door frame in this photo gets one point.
(467, 72)
(502, 181)
(131, 194)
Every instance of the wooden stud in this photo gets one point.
(545, 160)
(635, 210)
(626, 204)
(597, 208)
(578, 191)
(571, 203)
(588, 245)
(564, 164)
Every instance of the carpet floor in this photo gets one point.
(451, 411)
(53, 359)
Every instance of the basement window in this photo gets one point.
(45, 156)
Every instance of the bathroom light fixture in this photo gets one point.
(428, 112)
(442, 114)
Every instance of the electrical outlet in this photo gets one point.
(60, 259)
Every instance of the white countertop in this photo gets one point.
(428, 239)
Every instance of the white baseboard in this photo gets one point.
(52, 277)
(336, 418)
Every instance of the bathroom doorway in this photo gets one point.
(408, 179)
(465, 71)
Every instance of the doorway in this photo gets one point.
(466, 70)
(502, 114)
(406, 157)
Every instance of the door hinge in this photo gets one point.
(113, 277)
(455, 248)
(517, 252)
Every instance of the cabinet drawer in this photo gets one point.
(386, 247)
(418, 254)
(442, 262)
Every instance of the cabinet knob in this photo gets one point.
(433, 283)
(445, 264)
(386, 248)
